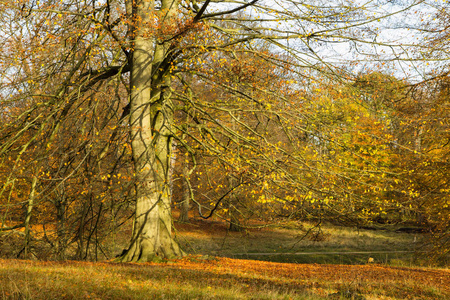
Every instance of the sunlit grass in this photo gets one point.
(77, 280)
(222, 278)
(384, 247)
(319, 276)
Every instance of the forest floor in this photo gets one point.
(195, 277)
(294, 261)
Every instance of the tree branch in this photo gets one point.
(230, 11)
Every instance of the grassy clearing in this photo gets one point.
(385, 247)
(319, 276)
(222, 278)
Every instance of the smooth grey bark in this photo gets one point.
(151, 119)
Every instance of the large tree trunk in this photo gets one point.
(151, 118)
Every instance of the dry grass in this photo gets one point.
(207, 277)
(222, 278)
(212, 238)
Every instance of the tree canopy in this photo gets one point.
(104, 105)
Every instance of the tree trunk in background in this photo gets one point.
(61, 204)
(185, 202)
(28, 216)
(233, 202)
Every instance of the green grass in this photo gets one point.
(337, 244)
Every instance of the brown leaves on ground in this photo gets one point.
(220, 278)
(368, 277)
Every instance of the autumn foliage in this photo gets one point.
(105, 106)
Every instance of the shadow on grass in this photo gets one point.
(216, 279)
(126, 281)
